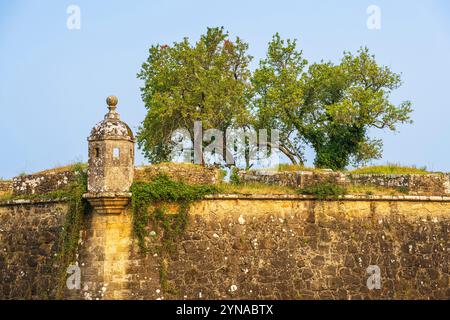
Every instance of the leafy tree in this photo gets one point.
(347, 100)
(278, 95)
(330, 107)
(183, 83)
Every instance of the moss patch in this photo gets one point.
(324, 190)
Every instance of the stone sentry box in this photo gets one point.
(111, 163)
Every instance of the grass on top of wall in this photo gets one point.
(5, 196)
(70, 167)
(254, 188)
(261, 188)
(375, 191)
(391, 168)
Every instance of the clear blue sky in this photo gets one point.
(53, 81)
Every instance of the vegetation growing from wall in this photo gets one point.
(57, 194)
(234, 177)
(324, 190)
(255, 188)
(334, 191)
(391, 168)
(163, 190)
(73, 224)
(368, 190)
(77, 166)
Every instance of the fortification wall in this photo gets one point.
(254, 247)
(29, 233)
(289, 249)
(414, 184)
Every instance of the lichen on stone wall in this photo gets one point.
(42, 183)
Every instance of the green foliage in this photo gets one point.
(222, 174)
(80, 167)
(324, 190)
(391, 168)
(73, 224)
(163, 189)
(234, 177)
(403, 189)
(184, 82)
(254, 188)
(335, 147)
(329, 107)
(277, 95)
(172, 226)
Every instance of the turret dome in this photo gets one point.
(111, 128)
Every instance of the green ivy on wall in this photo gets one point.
(73, 224)
(164, 190)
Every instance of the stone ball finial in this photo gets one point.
(112, 101)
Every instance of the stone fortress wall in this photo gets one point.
(413, 184)
(239, 246)
(29, 233)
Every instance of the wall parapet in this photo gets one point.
(239, 247)
(291, 197)
(183, 172)
(45, 182)
(262, 197)
(41, 183)
(414, 184)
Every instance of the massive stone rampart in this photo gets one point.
(234, 246)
